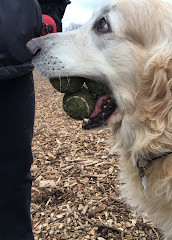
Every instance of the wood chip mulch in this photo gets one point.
(75, 188)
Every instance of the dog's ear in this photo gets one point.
(156, 90)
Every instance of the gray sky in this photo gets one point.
(80, 11)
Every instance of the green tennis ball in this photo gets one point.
(96, 88)
(79, 105)
(67, 84)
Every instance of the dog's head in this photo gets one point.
(128, 45)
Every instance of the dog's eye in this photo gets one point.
(102, 26)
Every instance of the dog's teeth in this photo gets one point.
(86, 120)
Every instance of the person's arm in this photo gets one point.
(20, 21)
(55, 9)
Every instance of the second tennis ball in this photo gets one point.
(67, 84)
(96, 88)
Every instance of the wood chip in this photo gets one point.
(47, 184)
(99, 209)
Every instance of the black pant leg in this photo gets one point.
(17, 108)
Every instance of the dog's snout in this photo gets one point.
(33, 47)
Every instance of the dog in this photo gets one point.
(127, 45)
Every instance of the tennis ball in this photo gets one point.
(96, 88)
(79, 105)
(67, 84)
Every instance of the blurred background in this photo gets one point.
(79, 12)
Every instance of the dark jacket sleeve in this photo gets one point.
(20, 21)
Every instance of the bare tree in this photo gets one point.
(72, 26)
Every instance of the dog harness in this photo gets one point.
(148, 161)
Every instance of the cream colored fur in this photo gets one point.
(135, 59)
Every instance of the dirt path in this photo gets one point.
(75, 189)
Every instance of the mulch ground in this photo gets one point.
(75, 191)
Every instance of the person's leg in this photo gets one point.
(17, 101)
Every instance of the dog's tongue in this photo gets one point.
(100, 102)
(104, 107)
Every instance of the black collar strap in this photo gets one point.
(148, 161)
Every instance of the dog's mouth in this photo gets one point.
(104, 108)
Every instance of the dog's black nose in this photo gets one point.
(33, 47)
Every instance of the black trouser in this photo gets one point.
(17, 108)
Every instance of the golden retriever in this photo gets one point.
(128, 45)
